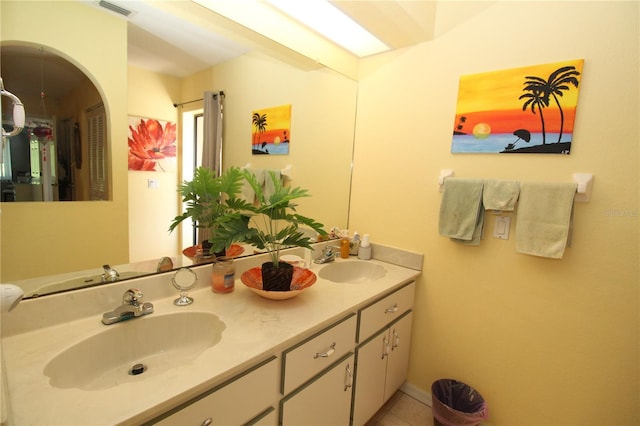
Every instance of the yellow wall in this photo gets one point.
(36, 237)
(152, 95)
(546, 342)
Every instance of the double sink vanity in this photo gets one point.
(330, 356)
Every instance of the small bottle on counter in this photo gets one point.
(355, 244)
(364, 252)
(223, 276)
(345, 244)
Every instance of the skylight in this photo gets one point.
(332, 23)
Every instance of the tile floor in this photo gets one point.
(402, 410)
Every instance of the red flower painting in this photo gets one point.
(152, 144)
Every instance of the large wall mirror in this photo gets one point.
(68, 238)
(61, 154)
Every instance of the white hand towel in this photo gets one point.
(461, 213)
(543, 220)
(500, 194)
(259, 174)
(247, 192)
(269, 184)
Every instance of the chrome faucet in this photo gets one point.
(132, 307)
(328, 255)
(110, 274)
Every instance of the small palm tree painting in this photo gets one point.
(516, 111)
(271, 130)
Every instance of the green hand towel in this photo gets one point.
(500, 194)
(461, 210)
(543, 220)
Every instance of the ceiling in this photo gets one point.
(181, 37)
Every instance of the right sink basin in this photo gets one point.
(352, 271)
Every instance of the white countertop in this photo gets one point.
(255, 329)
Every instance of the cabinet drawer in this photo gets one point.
(235, 402)
(376, 316)
(326, 400)
(303, 361)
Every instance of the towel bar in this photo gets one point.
(286, 171)
(583, 180)
(444, 173)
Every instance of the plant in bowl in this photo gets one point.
(269, 224)
(206, 198)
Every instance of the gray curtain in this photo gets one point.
(212, 143)
(212, 140)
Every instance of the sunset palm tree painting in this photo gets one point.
(520, 110)
(271, 130)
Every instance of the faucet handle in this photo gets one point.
(132, 297)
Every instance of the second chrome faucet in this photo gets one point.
(110, 274)
(328, 255)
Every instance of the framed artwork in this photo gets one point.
(518, 111)
(152, 145)
(271, 134)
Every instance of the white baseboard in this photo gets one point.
(417, 393)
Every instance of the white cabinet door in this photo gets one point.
(370, 378)
(398, 362)
(235, 403)
(324, 401)
(382, 360)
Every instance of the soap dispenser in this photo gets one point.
(344, 244)
(364, 252)
(355, 244)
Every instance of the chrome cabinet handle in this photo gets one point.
(396, 339)
(391, 310)
(385, 347)
(348, 378)
(326, 354)
(208, 421)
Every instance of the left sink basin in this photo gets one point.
(132, 350)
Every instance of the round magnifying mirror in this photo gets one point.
(184, 279)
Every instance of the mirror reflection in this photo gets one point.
(48, 243)
(74, 280)
(60, 155)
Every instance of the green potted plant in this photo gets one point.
(270, 224)
(206, 199)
